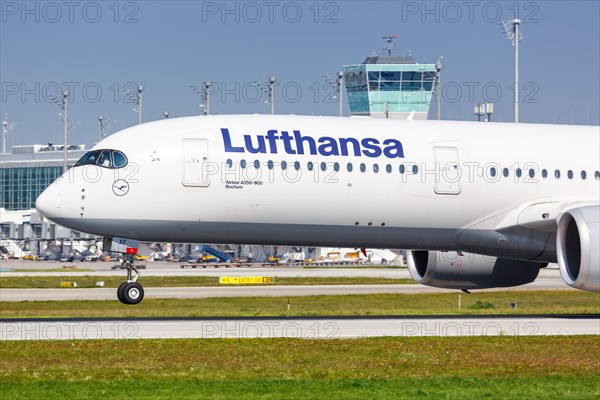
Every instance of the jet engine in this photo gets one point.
(455, 270)
(578, 242)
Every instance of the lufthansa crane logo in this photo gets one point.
(120, 187)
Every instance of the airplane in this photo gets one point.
(478, 205)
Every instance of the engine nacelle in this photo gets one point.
(454, 270)
(577, 247)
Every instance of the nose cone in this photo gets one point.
(48, 203)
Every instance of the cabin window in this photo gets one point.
(544, 173)
(349, 167)
(323, 167)
(310, 165)
(492, 172)
(415, 170)
(531, 172)
(363, 167)
(519, 172)
(557, 174)
(388, 169)
(256, 164)
(270, 164)
(402, 168)
(243, 163)
(336, 167)
(505, 172)
(297, 165)
(283, 165)
(376, 168)
(597, 175)
(570, 174)
(583, 175)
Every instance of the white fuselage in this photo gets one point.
(412, 184)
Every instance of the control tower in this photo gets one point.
(386, 86)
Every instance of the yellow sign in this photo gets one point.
(68, 284)
(245, 280)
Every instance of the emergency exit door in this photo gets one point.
(196, 166)
(448, 170)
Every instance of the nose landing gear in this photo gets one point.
(130, 292)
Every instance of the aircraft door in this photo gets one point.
(448, 168)
(196, 165)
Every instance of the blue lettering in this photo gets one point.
(323, 146)
(371, 146)
(227, 142)
(394, 149)
(300, 143)
(261, 144)
(328, 147)
(272, 138)
(287, 142)
(344, 146)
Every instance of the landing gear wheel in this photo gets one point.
(130, 292)
(120, 292)
(133, 293)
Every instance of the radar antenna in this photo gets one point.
(390, 46)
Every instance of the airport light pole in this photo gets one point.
(140, 88)
(65, 107)
(204, 93)
(479, 110)
(269, 88)
(4, 133)
(103, 123)
(340, 80)
(6, 127)
(272, 80)
(338, 85)
(489, 110)
(138, 99)
(207, 97)
(512, 32)
(438, 75)
(63, 103)
(100, 127)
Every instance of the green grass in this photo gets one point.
(382, 368)
(22, 282)
(63, 269)
(528, 302)
(353, 266)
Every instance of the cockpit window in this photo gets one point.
(119, 159)
(103, 158)
(88, 158)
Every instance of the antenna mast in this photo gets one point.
(512, 32)
(389, 47)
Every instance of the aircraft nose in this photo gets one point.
(48, 203)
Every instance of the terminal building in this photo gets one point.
(24, 174)
(28, 170)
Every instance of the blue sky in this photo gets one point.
(97, 48)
